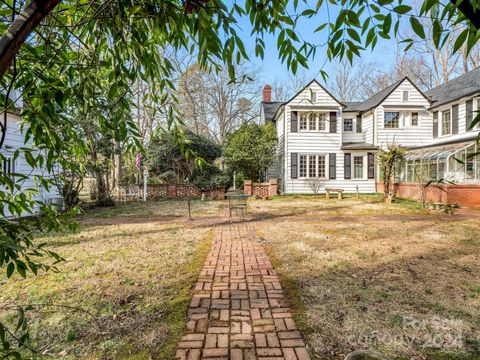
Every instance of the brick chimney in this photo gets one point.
(267, 93)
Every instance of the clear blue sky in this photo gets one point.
(272, 68)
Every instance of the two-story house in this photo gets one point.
(322, 138)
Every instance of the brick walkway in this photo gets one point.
(238, 309)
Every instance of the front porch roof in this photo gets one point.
(358, 146)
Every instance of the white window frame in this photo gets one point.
(398, 119)
(356, 156)
(449, 110)
(325, 121)
(308, 158)
(313, 97)
(301, 114)
(407, 92)
(316, 120)
(418, 119)
(353, 125)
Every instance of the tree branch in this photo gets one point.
(21, 28)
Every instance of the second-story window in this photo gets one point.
(303, 121)
(391, 119)
(322, 121)
(312, 122)
(347, 125)
(446, 123)
(415, 119)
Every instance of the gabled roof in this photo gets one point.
(310, 83)
(270, 109)
(465, 85)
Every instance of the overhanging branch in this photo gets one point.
(21, 28)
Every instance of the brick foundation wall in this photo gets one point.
(463, 195)
(182, 191)
(261, 190)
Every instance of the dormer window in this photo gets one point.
(313, 97)
(405, 95)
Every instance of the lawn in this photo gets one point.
(124, 288)
(362, 274)
(359, 274)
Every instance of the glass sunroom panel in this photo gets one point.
(441, 170)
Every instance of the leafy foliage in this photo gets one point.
(166, 160)
(251, 150)
(387, 159)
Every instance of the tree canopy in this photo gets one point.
(251, 150)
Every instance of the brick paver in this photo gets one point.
(238, 310)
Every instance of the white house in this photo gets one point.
(321, 137)
(14, 140)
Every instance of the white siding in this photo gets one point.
(367, 125)
(462, 122)
(14, 139)
(405, 135)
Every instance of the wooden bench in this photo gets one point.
(329, 191)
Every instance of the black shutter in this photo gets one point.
(371, 165)
(332, 165)
(435, 124)
(455, 119)
(333, 122)
(294, 122)
(294, 165)
(469, 113)
(359, 123)
(347, 166)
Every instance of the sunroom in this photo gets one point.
(456, 163)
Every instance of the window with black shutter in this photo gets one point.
(294, 165)
(455, 119)
(332, 166)
(435, 124)
(333, 122)
(359, 123)
(347, 166)
(371, 165)
(294, 121)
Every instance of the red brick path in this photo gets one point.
(238, 309)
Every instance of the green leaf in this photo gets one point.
(417, 27)
(354, 35)
(460, 40)
(402, 9)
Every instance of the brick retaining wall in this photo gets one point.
(464, 195)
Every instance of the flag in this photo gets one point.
(138, 160)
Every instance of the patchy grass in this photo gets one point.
(362, 274)
(124, 289)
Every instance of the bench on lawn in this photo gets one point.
(329, 191)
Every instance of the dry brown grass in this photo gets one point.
(132, 268)
(357, 272)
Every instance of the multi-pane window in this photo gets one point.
(321, 166)
(322, 121)
(312, 122)
(405, 95)
(391, 119)
(303, 166)
(446, 122)
(303, 121)
(415, 119)
(312, 166)
(358, 167)
(347, 124)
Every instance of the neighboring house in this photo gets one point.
(321, 137)
(15, 139)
